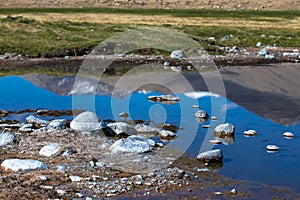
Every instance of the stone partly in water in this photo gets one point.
(122, 128)
(147, 129)
(124, 115)
(166, 134)
(50, 149)
(177, 54)
(26, 128)
(167, 99)
(272, 147)
(201, 114)
(224, 129)
(211, 156)
(288, 134)
(6, 138)
(250, 133)
(37, 121)
(23, 164)
(86, 122)
(133, 144)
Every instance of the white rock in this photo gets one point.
(166, 63)
(57, 124)
(288, 134)
(123, 115)
(216, 141)
(233, 191)
(218, 193)
(23, 164)
(211, 156)
(206, 126)
(263, 52)
(269, 56)
(142, 128)
(122, 128)
(26, 128)
(75, 178)
(250, 133)
(61, 168)
(133, 144)
(6, 138)
(272, 147)
(50, 149)
(224, 129)
(214, 118)
(79, 195)
(35, 120)
(177, 54)
(61, 192)
(176, 68)
(86, 121)
(166, 133)
(259, 44)
(43, 177)
(201, 114)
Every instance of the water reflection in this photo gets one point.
(244, 158)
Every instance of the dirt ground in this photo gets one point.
(217, 4)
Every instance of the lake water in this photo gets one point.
(245, 159)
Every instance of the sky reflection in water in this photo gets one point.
(246, 158)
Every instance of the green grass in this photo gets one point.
(59, 38)
(290, 14)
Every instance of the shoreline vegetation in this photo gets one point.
(59, 32)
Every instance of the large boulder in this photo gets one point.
(86, 122)
(23, 164)
(122, 128)
(211, 156)
(224, 129)
(133, 144)
(6, 138)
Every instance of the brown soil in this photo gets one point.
(218, 4)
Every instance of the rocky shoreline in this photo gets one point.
(234, 57)
(87, 158)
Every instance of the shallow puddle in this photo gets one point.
(245, 158)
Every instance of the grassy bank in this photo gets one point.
(60, 32)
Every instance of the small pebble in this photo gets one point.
(196, 106)
(218, 193)
(233, 191)
(288, 134)
(250, 133)
(214, 118)
(206, 126)
(272, 147)
(215, 141)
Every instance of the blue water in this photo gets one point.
(245, 159)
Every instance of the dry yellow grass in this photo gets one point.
(135, 19)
